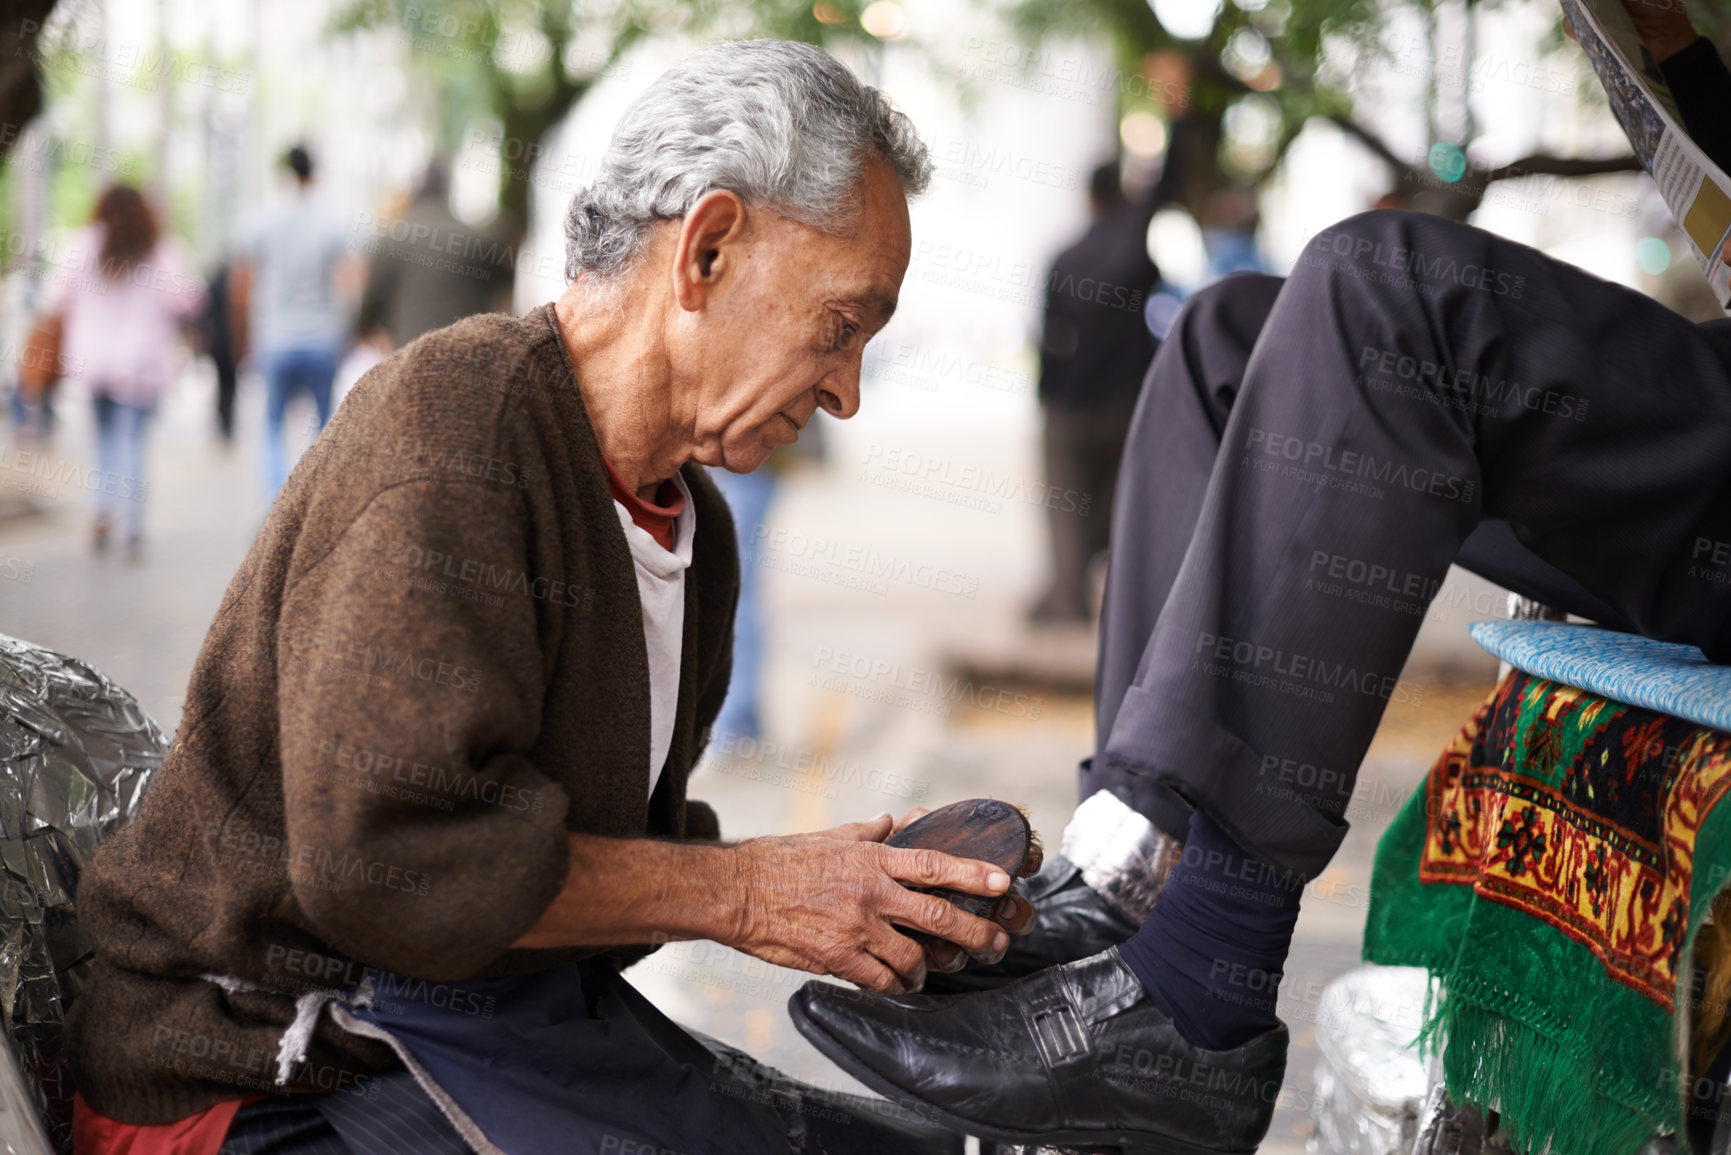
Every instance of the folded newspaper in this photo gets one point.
(1696, 191)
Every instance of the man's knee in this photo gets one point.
(1395, 249)
(1235, 305)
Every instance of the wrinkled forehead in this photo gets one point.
(861, 261)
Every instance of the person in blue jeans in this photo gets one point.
(749, 496)
(122, 298)
(288, 287)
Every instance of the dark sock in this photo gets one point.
(1211, 952)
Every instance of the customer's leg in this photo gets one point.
(1108, 428)
(107, 465)
(226, 380)
(276, 392)
(1378, 422)
(1064, 447)
(748, 498)
(319, 371)
(1412, 378)
(1123, 839)
(132, 424)
(1168, 455)
(1113, 861)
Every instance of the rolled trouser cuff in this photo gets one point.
(1243, 791)
(1122, 856)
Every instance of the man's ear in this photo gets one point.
(707, 249)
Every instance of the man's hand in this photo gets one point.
(1663, 26)
(1013, 912)
(830, 903)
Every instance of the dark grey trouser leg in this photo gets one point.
(1169, 454)
(1174, 438)
(1413, 379)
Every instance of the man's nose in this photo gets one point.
(838, 392)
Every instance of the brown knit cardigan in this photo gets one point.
(429, 669)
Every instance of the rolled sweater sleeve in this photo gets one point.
(421, 837)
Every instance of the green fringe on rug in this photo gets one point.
(1493, 1059)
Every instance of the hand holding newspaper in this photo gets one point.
(1696, 190)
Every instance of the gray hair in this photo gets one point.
(779, 123)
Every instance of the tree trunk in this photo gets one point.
(20, 78)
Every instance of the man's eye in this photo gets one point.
(844, 337)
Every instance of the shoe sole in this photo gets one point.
(1129, 1142)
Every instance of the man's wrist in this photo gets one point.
(1663, 50)
(732, 872)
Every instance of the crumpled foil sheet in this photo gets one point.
(76, 752)
(1371, 1080)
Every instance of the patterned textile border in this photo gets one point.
(1531, 841)
(1552, 873)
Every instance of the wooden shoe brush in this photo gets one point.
(978, 828)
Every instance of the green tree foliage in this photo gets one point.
(1299, 58)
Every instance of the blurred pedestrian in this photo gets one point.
(750, 497)
(122, 300)
(430, 269)
(287, 283)
(216, 334)
(1094, 349)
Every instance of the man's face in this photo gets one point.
(783, 331)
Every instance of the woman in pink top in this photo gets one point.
(124, 294)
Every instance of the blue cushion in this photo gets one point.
(1628, 668)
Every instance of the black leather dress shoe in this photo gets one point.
(1076, 1055)
(1072, 921)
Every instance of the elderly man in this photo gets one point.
(430, 788)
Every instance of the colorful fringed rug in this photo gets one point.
(1552, 873)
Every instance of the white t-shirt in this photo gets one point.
(295, 250)
(661, 589)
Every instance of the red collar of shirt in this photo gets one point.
(654, 518)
